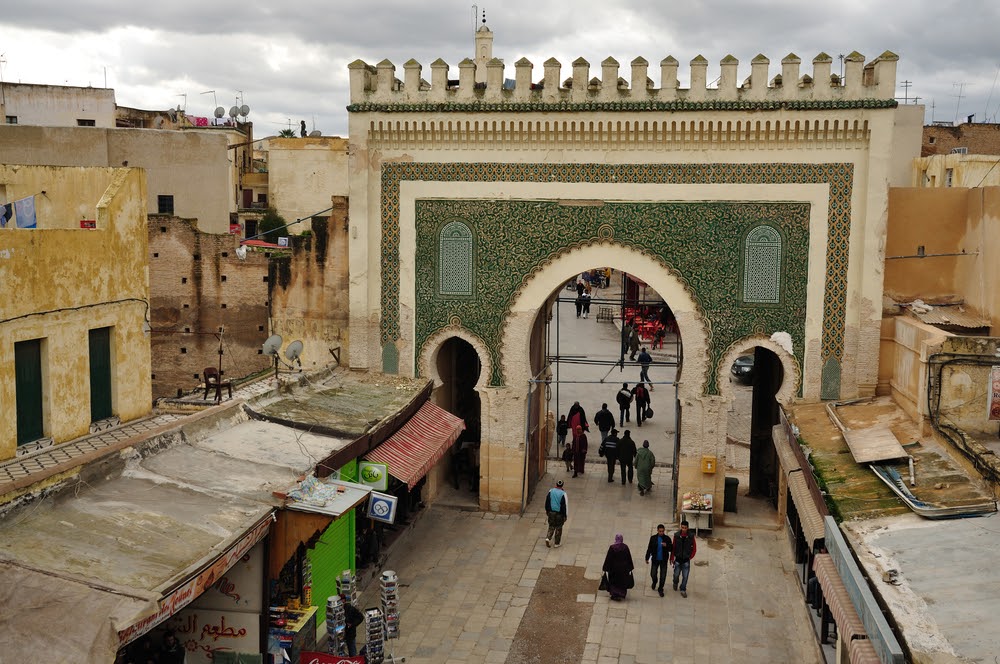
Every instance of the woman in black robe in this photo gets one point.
(579, 451)
(618, 566)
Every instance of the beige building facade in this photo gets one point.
(74, 345)
(57, 105)
(472, 207)
(190, 174)
(303, 173)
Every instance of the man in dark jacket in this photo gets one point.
(641, 402)
(605, 421)
(609, 450)
(555, 510)
(626, 456)
(684, 548)
(353, 618)
(658, 555)
(624, 399)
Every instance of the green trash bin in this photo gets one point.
(732, 486)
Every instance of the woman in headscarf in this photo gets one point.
(644, 462)
(579, 450)
(618, 566)
(578, 417)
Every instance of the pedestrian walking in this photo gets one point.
(618, 566)
(627, 331)
(579, 451)
(645, 460)
(562, 429)
(605, 421)
(579, 303)
(624, 399)
(658, 557)
(642, 401)
(609, 450)
(684, 547)
(556, 509)
(644, 361)
(586, 304)
(578, 417)
(633, 343)
(352, 619)
(567, 456)
(626, 455)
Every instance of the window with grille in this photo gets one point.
(455, 256)
(165, 204)
(762, 266)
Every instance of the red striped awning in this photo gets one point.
(417, 446)
(835, 595)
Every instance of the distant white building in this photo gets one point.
(57, 105)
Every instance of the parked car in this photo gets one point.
(742, 369)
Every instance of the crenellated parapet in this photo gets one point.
(377, 88)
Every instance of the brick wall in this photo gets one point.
(978, 138)
(197, 285)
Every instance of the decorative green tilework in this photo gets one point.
(455, 255)
(693, 238)
(839, 177)
(762, 266)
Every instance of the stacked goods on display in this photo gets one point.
(348, 587)
(375, 626)
(390, 604)
(307, 582)
(336, 624)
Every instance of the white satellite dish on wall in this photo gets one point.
(272, 345)
(293, 353)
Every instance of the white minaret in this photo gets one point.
(484, 49)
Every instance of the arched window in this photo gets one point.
(455, 260)
(762, 266)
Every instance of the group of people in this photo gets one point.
(661, 552)
(640, 396)
(636, 463)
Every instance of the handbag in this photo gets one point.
(648, 413)
(604, 582)
(631, 581)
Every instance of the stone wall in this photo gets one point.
(308, 289)
(197, 285)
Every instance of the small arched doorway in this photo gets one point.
(459, 368)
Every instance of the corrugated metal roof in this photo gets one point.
(951, 315)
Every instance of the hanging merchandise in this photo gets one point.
(336, 626)
(347, 587)
(375, 626)
(390, 603)
(307, 582)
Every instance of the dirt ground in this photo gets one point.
(854, 491)
(554, 627)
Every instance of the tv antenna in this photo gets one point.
(183, 94)
(958, 103)
(211, 92)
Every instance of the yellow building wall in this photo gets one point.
(66, 281)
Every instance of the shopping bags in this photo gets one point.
(604, 582)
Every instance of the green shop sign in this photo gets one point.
(375, 475)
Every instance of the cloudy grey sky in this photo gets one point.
(289, 62)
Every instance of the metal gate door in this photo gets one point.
(28, 390)
(100, 374)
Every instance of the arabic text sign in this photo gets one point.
(375, 475)
(183, 596)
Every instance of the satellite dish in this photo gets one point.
(219, 111)
(234, 111)
(241, 252)
(293, 352)
(244, 110)
(272, 345)
(315, 132)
